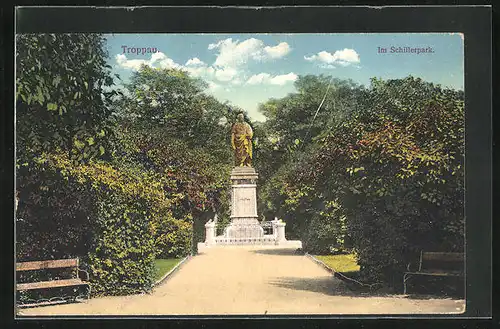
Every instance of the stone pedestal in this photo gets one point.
(244, 219)
(245, 228)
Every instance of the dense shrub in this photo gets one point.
(122, 256)
(53, 216)
(172, 237)
(117, 242)
(406, 177)
(394, 166)
(53, 221)
(326, 232)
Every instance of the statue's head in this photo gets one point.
(241, 117)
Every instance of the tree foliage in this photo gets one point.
(115, 213)
(62, 95)
(393, 167)
(113, 231)
(169, 125)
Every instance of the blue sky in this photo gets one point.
(248, 69)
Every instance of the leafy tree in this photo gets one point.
(394, 167)
(62, 105)
(62, 95)
(71, 202)
(174, 101)
(319, 104)
(169, 125)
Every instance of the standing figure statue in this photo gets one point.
(241, 140)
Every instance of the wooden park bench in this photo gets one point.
(74, 281)
(438, 264)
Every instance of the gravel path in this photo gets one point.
(251, 280)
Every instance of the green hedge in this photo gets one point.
(326, 232)
(395, 167)
(102, 214)
(173, 237)
(122, 258)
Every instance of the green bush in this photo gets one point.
(172, 237)
(326, 232)
(122, 258)
(99, 213)
(53, 215)
(395, 167)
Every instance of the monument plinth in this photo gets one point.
(244, 218)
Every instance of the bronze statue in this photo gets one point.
(241, 140)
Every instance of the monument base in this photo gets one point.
(247, 231)
(268, 241)
(245, 227)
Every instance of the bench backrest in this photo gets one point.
(44, 264)
(447, 261)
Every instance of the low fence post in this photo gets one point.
(210, 233)
(280, 232)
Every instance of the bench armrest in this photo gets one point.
(86, 274)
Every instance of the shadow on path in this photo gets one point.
(278, 251)
(428, 296)
(325, 285)
(332, 286)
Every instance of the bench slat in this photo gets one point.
(443, 256)
(50, 284)
(39, 265)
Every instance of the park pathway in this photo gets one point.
(251, 280)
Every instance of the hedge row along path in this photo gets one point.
(251, 280)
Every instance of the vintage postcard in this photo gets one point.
(240, 174)
(253, 169)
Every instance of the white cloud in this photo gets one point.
(158, 59)
(229, 65)
(133, 64)
(266, 78)
(283, 79)
(195, 62)
(225, 74)
(168, 63)
(235, 53)
(194, 66)
(258, 78)
(213, 86)
(200, 71)
(278, 51)
(343, 57)
(237, 81)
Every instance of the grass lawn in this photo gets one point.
(340, 263)
(163, 266)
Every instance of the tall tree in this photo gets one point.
(62, 95)
(389, 178)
